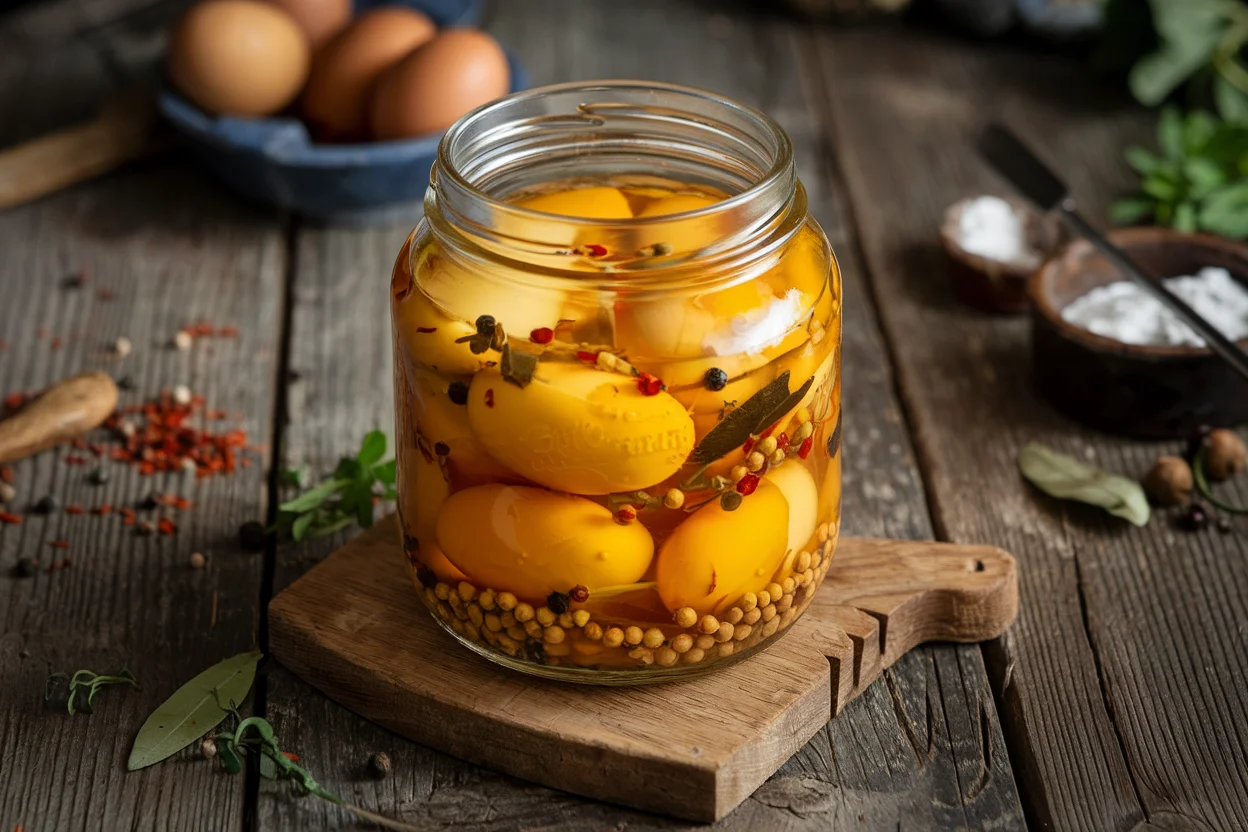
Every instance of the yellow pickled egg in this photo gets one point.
(683, 327)
(440, 420)
(469, 293)
(579, 429)
(435, 559)
(798, 486)
(422, 490)
(716, 556)
(677, 204)
(584, 203)
(533, 542)
(428, 336)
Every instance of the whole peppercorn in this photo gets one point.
(458, 392)
(252, 536)
(25, 568)
(1194, 518)
(715, 379)
(1225, 455)
(674, 498)
(198, 560)
(485, 325)
(98, 477)
(1169, 482)
(379, 765)
(625, 515)
(47, 504)
(579, 594)
(441, 449)
(558, 602)
(208, 748)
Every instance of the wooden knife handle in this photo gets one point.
(122, 132)
(62, 412)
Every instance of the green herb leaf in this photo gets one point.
(1203, 175)
(1190, 31)
(314, 498)
(294, 477)
(1232, 102)
(1184, 218)
(1143, 161)
(1131, 210)
(299, 528)
(385, 472)
(1065, 477)
(193, 710)
(372, 450)
(322, 529)
(1225, 212)
(517, 366)
(742, 421)
(1170, 134)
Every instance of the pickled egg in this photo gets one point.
(533, 542)
(676, 204)
(799, 489)
(600, 203)
(427, 91)
(579, 429)
(238, 57)
(716, 556)
(336, 101)
(428, 335)
(440, 420)
(320, 20)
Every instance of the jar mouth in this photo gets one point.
(588, 130)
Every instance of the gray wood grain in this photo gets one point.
(921, 749)
(1116, 681)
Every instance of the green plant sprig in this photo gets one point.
(85, 683)
(345, 498)
(1198, 181)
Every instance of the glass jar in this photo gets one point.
(617, 384)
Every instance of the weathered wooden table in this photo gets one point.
(1118, 700)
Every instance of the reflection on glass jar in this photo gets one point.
(617, 388)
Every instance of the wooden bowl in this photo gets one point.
(1139, 391)
(995, 285)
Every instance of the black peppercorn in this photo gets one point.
(426, 576)
(558, 603)
(1193, 518)
(252, 536)
(485, 325)
(379, 765)
(125, 383)
(458, 391)
(98, 477)
(25, 568)
(1224, 526)
(441, 449)
(47, 505)
(715, 379)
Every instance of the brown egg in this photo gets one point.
(238, 57)
(320, 20)
(428, 90)
(335, 103)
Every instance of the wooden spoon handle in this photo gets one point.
(62, 412)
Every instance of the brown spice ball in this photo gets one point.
(1225, 455)
(1169, 482)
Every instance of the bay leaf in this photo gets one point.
(742, 421)
(777, 413)
(1066, 478)
(193, 709)
(517, 366)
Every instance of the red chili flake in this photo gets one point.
(74, 459)
(95, 448)
(290, 755)
(227, 332)
(14, 401)
(80, 444)
(6, 517)
(73, 509)
(56, 343)
(127, 516)
(102, 511)
(592, 250)
(216, 415)
(6, 474)
(59, 544)
(586, 355)
(105, 294)
(489, 397)
(166, 526)
(650, 385)
(747, 484)
(542, 335)
(625, 515)
(804, 451)
(749, 444)
(782, 441)
(425, 330)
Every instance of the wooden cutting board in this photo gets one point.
(355, 628)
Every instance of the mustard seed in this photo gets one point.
(767, 447)
(506, 601)
(517, 632)
(508, 618)
(724, 633)
(769, 628)
(475, 615)
(471, 632)
(613, 637)
(705, 642)
(822, 533)
(653, 638)
(695, 655)
(430, 597)
(665, 657)
(686, 617)
(674, 498)
(752, 616)
(808, 577)
(775, 591)
(182, 340)
(709, 624)
(533, 629)
(803, 561)
(467, 591)
(593, 630)
(764, 598)
(755, 461)
(633, 635)
(580, 618)
(726, 649)
(545, 617)
(738, 473)
(683, 643)
(442, 591)
(555, 635)
(524, 612)
(493, 623)
(565, 620)
(769, 613)
(486, 600)
(644, 654)
(742, 632)
(734, 615)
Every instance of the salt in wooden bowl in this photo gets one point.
(1152, 392)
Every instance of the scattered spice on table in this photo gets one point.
(10, 518)
(7, 492)
(74, 509)
(59, 544)
(25, 568)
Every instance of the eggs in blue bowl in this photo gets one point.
(356, 128)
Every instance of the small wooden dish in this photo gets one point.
(1140, 391)
(995, 285)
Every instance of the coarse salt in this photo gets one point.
(991, 228)
(1125, 312)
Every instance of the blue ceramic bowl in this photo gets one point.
(274, 160)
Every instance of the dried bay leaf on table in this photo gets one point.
(1066, 478)
(194, 709)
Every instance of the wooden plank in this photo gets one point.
(1116, 680)
(925, 741)
(172, 249)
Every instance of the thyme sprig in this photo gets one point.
(84, 683)
(346, 497)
